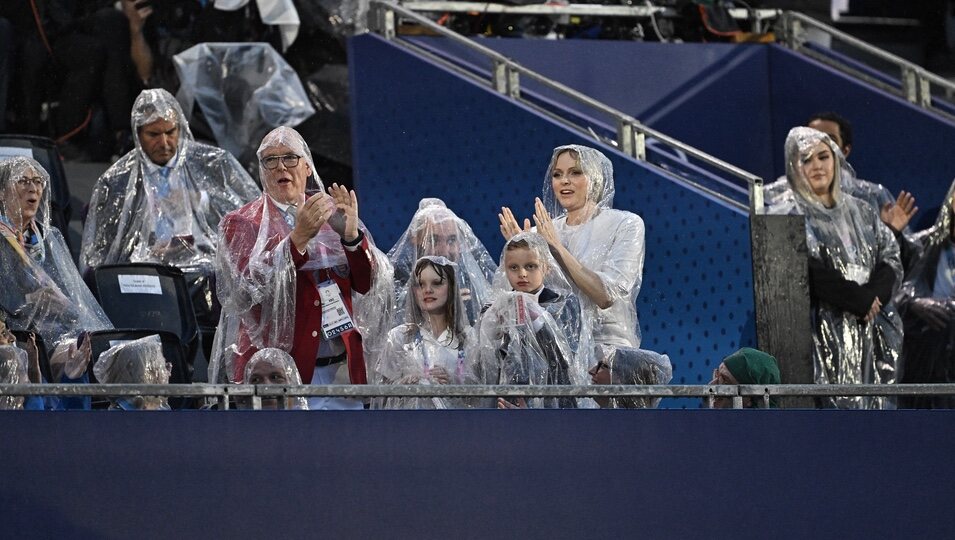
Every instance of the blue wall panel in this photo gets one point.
(712, 96)
(725, 112)
(644, 76)
(478, 474)
(422, 131)
(737, 102)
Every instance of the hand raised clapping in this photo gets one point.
(509, 225)
(346, 206)
(311, 215)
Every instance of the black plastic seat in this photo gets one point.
(147, 296)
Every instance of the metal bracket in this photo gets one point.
(507, 80)
(756, 202)
(381, 20)
(631, 139)
(917, 88)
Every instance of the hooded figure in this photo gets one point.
(854, 268)
(526, 265)
(429, 347)
(140, 361)
(632, 366)
(840, 131)
(275, 366)
(42, 291)
(162, 202)
(600, 249)
(746, 366)
(751, 366)
(927, 303)
(436, 230)
(876, 195)
(287, 266)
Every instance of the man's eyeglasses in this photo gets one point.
(272, 162)
(25, 181)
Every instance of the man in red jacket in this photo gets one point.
(288, 264)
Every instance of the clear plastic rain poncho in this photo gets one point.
(13, 370)
(436, 230)
(609, 243)
(556, 294)
(518, 342)
(876, 195)
(139, 361)
(415, 352)
(851, 239)
(637, 367)
(275, 366)
(244, 90)
(927, 303)
(42, 290)
(143, 212)
(257, 275)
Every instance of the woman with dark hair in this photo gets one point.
(429, 347)
(854, 268)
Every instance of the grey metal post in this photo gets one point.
(500, 77)
(639, 143)
(737, 402)
(625, 137)
(781, 289)
(792, 29)
(513, 83)
(910, 85)
(756, 201)
(631, 138)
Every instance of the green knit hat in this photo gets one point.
(750, 366)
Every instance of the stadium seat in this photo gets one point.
(150, 297)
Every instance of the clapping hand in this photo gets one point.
(545, 226)
(311, 215)
(346, 205)
(509, 225)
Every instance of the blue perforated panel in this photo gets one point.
(421, 131)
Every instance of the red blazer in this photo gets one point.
(244, 224)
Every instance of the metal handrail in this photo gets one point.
(915, 80)
(255, 393)
(631, 134)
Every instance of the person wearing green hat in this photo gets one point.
(745, 366)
